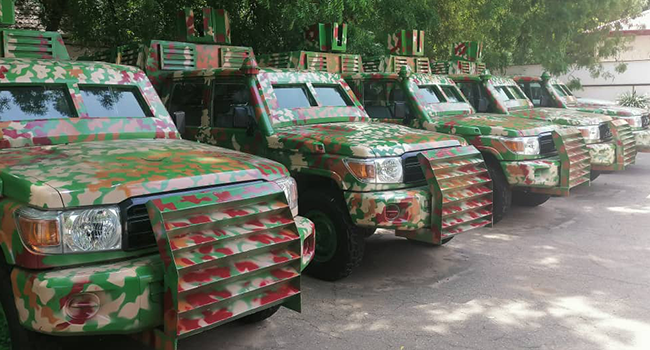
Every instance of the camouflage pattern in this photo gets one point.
(606, 155)
(565, 100)
(88, 161)
(542, 173)
(235, 253)
(312, 142)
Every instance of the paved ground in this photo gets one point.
(571, 274)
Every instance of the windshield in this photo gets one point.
(293, 96)
(504, 93)
(517, 92)
(21, 103)
(561, 90)
(112, 102)
(332, 96)
(431, 94)
(452, 93)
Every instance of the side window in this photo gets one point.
(190, 97)
(539, 95)
(375, 100)
(471, 92)
(226, 99)
(452, 94)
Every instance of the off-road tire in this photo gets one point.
(366, 231)
(260, 315)
(21, 337)
(529, 199)
(594, 174)
(501, 192)
(350, 244)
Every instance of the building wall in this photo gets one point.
(636, 76)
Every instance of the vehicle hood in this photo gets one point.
(563, 116)
(108, 172)
(492, 124)
(359, 139)
(606, 107)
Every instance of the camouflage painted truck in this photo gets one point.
(353, 176)
(545, 91)
(528, 160)
(611, 143)
(112, 224)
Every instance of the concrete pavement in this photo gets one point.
(570, 274)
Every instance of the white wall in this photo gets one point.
(637, 74)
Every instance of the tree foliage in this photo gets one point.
(557, 34)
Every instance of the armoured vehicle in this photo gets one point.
(110, 223)
(545, 91)
(610, 142)
(528, 160)
(353, 176)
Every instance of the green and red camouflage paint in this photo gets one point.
(558, 95)
(315, 140)
(58, 164)
(505, 97)
(392, 75)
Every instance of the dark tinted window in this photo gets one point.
(452, 93)
(332, 96)
(35, 102)
(226, 99)
(431, 94)
(189, 97)
(113, 102)
(380, 99)
(290, 97)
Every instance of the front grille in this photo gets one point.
(645, 121)
(137, 228)
(546, 144)
(605, 132)
(412, 170)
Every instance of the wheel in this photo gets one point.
(529, 199)
(366, 232)
(501, 193)
(14, 336)
(260, 315)
(594, 175)
(339, 246)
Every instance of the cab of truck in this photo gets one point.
(110, 223)
(528, 160)
(611, 143)
(354, 176)
(546, 91)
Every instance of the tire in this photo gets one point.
(21, 337)
(366, 232)
(260, 315)
(339, 245)
(501, 193)
(529, 199)
(594, 175)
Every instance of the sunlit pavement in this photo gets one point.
(571, 274)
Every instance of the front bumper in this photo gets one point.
(408, 209)
(603, 155)
(130, 293)
(642, 138)
(542, 176)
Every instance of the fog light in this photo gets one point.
(82, 307)
(392, 211)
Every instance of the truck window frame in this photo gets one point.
(137, 93)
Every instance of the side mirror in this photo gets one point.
(399, 110)
(179, 119)
(482, 105)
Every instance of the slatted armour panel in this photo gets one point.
(576, 160)
(625, 142)
(227, 253)
(33, 44)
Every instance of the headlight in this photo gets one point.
(75, 231)
(91, 230)
(288, 185)
(379, 170)
(590, 133)
(528, 146)
(635, 121)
